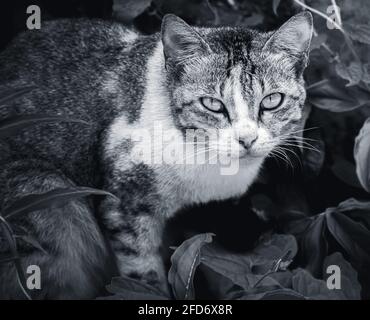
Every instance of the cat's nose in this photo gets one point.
(247, 142)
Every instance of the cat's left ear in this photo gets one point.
(180, 41)
(294, 36)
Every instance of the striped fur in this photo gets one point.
(122, 82)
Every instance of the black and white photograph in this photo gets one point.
(192, 150)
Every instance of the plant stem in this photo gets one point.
(9, 235)
(214, 12)
(337, 13)
(316, 84)
(334, 23)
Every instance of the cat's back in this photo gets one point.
(67, 63)
(63, 45)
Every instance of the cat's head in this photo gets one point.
(241, 80)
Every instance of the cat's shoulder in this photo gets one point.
(91, 28)
(60, 34)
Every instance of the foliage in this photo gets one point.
(362, 153)
(260, 274)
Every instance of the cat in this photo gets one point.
(229, 79)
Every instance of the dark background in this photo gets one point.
(13, 13)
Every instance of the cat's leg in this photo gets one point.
(74, 265)
(135, 225)
(136, 243)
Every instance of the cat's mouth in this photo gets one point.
(244, 153)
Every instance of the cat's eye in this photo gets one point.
(212, 104)
(272, 101)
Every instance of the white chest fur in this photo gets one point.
(204, 183)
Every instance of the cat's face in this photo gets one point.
(247, 85)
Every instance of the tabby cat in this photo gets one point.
(229, 79)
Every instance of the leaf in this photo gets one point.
(334, 96)
(254, 20)
(312, 242)
(277, 246)
(349, 225)
(127, 10)
(185, 261)
(358, 32)
(352, 205)
(52, 199)
(295, 223)
(235, 267)
(352, 73)
(9, 94)
(272, 294)
(275, 6)
(356, 10)
(10, 238)
(345, 171)
(362, 155)
(216, 285)
(14, 125)
(246, 269)
(352, 236)
(350, 287)
(318, 41)
(125, 288)
(366, 74)
(304, 283)
(314, 245)
(282, 294)
(33, 242)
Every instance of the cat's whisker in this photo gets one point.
(303, 130)
(279, 155)
(287, 157)
(294, 153)
(306, 147)
(298, 143)
(298, 137)
(291, 137)
(282, 153)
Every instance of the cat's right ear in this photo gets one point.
(294, 36)
(180, 41)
